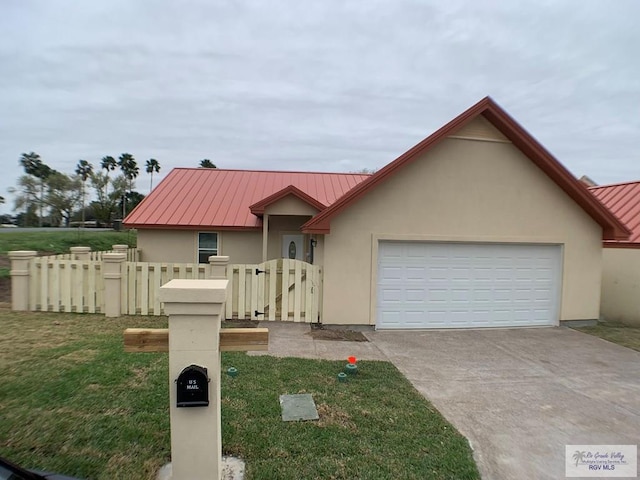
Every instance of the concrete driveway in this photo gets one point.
(521, 395)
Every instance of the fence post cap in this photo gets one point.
(180, 290)
(114, 257)
(219, 259)
(120, 247)
(21, 254)
(80, 249)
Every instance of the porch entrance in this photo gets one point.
(293, 247)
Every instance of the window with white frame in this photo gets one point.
(207, 246)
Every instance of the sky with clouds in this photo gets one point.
(319, 86)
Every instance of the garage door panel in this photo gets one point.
(413, 318)
(394, 251)
(438, 285)
(416, 273)
(391, 295)
(391, 274)
(461, 273)
(391, 318)
(415, 295)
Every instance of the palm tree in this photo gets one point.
(152, 166)
(578, 456)
(35, 167)
(206, 163)
(84, 170)
(108, 164)
(130, 170)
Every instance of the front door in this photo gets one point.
(293, 246)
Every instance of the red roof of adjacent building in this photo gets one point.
(623, 200)
(212, 197)
(612, 228)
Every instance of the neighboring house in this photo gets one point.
(621, 259)
(476, 226)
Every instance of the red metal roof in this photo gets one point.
(623, 200)
(612, 228)
(212, 197)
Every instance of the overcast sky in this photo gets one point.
(320, 86)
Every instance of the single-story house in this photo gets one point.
(621, 258)
(476, 226)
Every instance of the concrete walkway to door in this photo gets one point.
(288, 339)
(518, 395)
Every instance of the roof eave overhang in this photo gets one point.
(317, 229)
(146, 226)
(614, 244)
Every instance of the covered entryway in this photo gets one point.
(467, 285)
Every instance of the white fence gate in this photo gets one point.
(282, 289)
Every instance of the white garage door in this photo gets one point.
(462, 285)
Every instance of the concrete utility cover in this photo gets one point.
(298, 407)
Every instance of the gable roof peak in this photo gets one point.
(259, 207)
(612, 227)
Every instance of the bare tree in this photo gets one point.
(63, 196)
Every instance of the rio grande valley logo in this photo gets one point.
(601, 461)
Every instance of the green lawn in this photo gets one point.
(55, 241)
(616, 333)
(72, 401)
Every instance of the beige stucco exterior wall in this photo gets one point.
(180, 246)
(621, 285)
(290, 205)
(242, 247)
(177, 246)
(462, 190)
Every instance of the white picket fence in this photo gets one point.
(141, 282)
(59, 285)
(132, 255)
(287, 290)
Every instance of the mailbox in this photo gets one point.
(193, 387)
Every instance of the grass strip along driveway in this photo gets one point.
(616, 333)
(72, 401)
